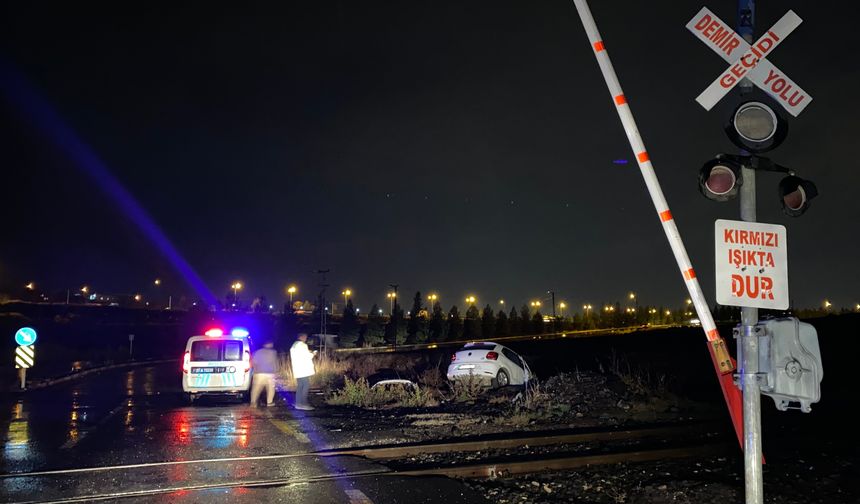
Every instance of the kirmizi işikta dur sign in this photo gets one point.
(752, 264)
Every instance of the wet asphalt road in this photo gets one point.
(136, 417)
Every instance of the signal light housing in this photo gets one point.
(795, 195)
(239, 332)
(720, 179)
(756, 127)
(214, 333)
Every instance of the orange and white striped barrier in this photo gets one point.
(723, 363)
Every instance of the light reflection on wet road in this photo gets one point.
(137, 417)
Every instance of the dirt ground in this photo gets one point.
(823, 472)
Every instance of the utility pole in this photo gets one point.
(322, 306)
(394, 315)
(749, 365)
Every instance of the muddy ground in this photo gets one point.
(801, 468)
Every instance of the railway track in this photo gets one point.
(497, 457)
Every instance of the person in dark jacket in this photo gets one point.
(265, 361)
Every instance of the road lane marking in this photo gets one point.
(357, 497)
(71, 443)
(290, 430)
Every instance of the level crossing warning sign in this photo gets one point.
(748, 61)
(751, 264)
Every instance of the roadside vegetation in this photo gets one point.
(348, 381)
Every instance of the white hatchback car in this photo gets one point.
(492, 362)
(217, 364)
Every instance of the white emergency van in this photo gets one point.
(217, 363)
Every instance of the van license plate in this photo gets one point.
(208, 369)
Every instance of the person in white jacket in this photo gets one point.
(302, 361)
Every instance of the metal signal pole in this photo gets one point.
(749, 348)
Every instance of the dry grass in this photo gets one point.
(467, 389)
(640, 381)
(329, 372)
(432, 378)
(360, 394)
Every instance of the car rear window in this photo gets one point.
(477, 347)
(232, 350)
(216, 350)
(205, 350)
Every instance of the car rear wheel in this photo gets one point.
(502, 379)
(189, 398)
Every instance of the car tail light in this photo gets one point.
(492, 356)
(247, 360)
(186, 362)
(453, 357)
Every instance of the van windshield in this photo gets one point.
(216, 350)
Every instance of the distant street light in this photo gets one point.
(561, 307)
(236, 286)
(346, 295)
(291, 290)
(85, 289)
(391, 296)
(827, 304)
(587, 308)
(471, 300)
(137, 297)
(502, 302)
(535, 304)
(157, 281)
(30, 286)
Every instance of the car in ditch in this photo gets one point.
(492, 363)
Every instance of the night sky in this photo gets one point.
(449, 147)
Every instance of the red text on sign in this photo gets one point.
(722, 36)
(752, 287)
(749, 59)
(782, 89)
(756, 258)
(744, 237)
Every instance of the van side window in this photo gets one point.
(205, 350)
(232, 350)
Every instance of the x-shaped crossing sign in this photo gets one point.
(748, 61)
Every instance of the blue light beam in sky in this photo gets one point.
(36, 110)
